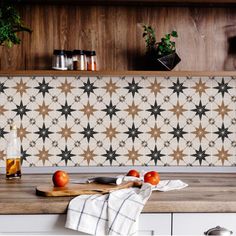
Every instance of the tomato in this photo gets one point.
(152, 177)
(60, 178)
(133, 173)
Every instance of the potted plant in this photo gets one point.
(160, 55)
(10, 24)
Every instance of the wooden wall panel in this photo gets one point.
(115, 33)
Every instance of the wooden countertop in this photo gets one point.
(213, 192)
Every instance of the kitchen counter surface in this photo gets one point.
(213, 192)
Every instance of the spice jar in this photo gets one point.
(79, 60)
(59, 60)
(69, 60)
(91, 60)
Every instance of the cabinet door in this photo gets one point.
(155, 224)
(149, 224)
(198, 223)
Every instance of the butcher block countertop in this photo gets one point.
(213, 192)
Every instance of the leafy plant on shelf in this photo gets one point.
(162, 48)
(10, 25)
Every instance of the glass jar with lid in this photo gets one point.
(69, 60)
(91, 60)
(59, 60)
(79, 60)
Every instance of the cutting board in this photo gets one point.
(78, 189)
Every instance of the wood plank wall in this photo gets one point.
(205, 35)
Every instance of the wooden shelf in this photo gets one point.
(114, 73)
(136, 2)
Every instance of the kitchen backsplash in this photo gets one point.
(119, 121)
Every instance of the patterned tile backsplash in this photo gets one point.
(119, 121)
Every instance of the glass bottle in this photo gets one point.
(79, 60)
(13, 155)
(91, 60)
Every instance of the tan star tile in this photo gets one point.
(66, 87)
(21, 87)
(155, 87)
(88, 155)
(223, 110)
(111, 87)
(133, 110)
(223, 155)
(43, 110)
(155, 132)
(200, 87)
(111, 132)
(43, 155)
(178, 155)
(2, 110)
(88, 110)
(22, 132)
(178, 110)
(200, 132)
(2, 155)
(133, 155)
(66, 132)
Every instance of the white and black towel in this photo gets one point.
(116, 213)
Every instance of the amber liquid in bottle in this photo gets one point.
(13, 168)
(13, 155)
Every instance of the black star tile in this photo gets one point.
(155, 110)
(24, 155)
(223, 87)
(133, 87)
(200, 155)
(43, 87)
(178, 87)
(66, 110)
(178, 132)
(21, 110)
(2, 87)
(88, 87)
(2, 133)
(133, 132)
(43, 132)
(88, 132)
(223, 132)
(111, 110)
(155, 155)
(66, 155)
(200, 110)
(111, 155)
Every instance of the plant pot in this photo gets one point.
(163, 63)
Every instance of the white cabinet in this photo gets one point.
(149, 224)
(198, 223)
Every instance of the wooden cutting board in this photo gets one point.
(78, 189)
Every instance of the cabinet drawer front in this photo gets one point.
(149, 224)
(155, 224)
(198, 223)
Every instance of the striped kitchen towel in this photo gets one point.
(116, 213)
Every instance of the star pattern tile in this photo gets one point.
(117, 121)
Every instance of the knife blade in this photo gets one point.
(100, 180)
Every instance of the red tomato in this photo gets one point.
(60, 178)
(133, 173)
(152, 177)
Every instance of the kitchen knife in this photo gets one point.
(100, 180)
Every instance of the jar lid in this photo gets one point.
(69, 53)
(78, 52)
(58, 52)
